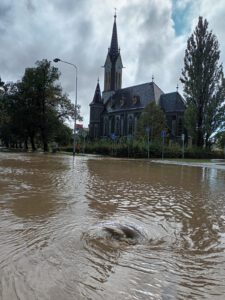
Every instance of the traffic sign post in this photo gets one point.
(182, 138)
(113, 137)
(148, 132)
(163, 135)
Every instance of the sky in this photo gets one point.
(152, 36)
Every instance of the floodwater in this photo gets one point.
(57, 218)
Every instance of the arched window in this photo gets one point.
(109, 81)
(174, 125)
(130, 125)
(121, 126)
(117, 126)
(95, 131)
(105, 126)
(119, 75)
(180, 126)
(112, 124)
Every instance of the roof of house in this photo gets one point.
(172, 102)
(133, 97)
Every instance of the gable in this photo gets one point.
(172, 102)
(119, 64)
(134, 97)
(108, 63)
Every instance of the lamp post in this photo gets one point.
(56, 60)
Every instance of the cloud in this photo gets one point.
(152, 36)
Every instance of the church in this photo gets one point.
(115, 111)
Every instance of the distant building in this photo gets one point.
(115, 112)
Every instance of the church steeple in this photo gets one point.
(96, 109)
(113, 64)
(114, 49)
(97, 96)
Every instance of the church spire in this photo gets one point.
(114, 49)
(113, 64)
(97, 96)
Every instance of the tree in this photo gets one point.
(35, 108)
(152, 119)
(7, 133)
(204, 85)
(220, 139)
(44, 102)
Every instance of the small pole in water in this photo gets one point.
(163, 134)
(182, 137)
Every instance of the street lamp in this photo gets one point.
(56, 60)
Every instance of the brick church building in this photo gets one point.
(116, 110)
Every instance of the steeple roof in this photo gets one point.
(114, 49)
(97, 96)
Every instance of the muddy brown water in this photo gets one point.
(53, 245)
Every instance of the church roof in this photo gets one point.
(114, 49)
(172, 102)
(97, 99)
(134, 97)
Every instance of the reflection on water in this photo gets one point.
(53, 212)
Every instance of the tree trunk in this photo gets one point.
(44, 140)
(45, 144)
(199, 140)
(25, 144)
(32, 143)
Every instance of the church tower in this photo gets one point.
(113, 65)
(96, 109)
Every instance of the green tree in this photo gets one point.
(204, 87)
(220, 139)
(152, 119)
(63, 134)
(7, 133)
(44, 102)
(35, 108)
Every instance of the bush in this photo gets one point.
(139, 149)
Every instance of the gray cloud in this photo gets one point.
(79, 31)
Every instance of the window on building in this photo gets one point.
(119, 75)
(95, 131)
(130, 125)
(180, 126)
(112, 124)
(117, 126)
(105, 126)
(121, 126)
(174, 125)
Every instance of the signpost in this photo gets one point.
(163, 135)
(182, 138)
(113, 137)
(148, 132)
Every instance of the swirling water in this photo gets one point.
(53, 210)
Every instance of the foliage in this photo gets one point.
(204, 85)
(153, 120)
(220, 139)
(36, 109)
(139, 149)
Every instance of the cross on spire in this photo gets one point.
(115, 13)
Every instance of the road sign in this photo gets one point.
(113, 136)
(163, 133)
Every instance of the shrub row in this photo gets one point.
(139, 149)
